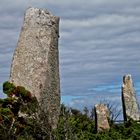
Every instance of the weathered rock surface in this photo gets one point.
(35, 62)
(101, 117)
(129, 101)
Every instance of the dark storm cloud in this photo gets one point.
(99, 43)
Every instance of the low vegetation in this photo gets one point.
(74, 125)
(19, 120)
(18, 115)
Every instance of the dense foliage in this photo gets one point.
(19, 120)
(18, 115)
(74, 125)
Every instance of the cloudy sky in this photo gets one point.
(99, 43)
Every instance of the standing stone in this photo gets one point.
(35, 62)
(129, 101)
(101, 117)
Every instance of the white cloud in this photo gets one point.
(111, 20)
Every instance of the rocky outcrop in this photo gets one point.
(35, 62)
(129, 101)
(101, 117)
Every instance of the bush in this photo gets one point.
(18, 102)
(8, 88)
(73, 125)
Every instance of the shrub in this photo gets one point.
(8, 88)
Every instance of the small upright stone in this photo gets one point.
(129, 101)
(101, 117)
(35, 62)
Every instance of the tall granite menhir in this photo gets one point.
(130, 104)
(35, 62)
